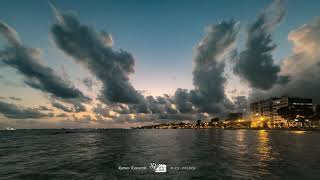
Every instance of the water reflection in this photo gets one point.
(263, 154)
(264, 148)
(298, 132)
(216, 154)
(241, 144)
(159, 146)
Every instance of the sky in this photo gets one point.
(154, 60)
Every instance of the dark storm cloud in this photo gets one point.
(15, 98)
(27, 62)
(120, 108)
(240, 104)
(208, 78)
(15, 112)
(141, 107)
(92, 49)
(105, 110)
(77, 105)
(61, 106)
(161, 105)
(256, 64)
(302, 65)
(155, 106)
(115, 110)
(101, 110)
(182, 100)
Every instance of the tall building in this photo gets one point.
(264, 112)
(255, 108)
(267, 109)
(261, 113)
(291, 102)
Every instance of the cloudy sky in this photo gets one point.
(130, 63)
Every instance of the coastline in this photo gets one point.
(71, 130)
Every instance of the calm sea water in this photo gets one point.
(215, 154)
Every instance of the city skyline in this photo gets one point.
(124, 64)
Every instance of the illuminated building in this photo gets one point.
(291, 102)
(263, 113)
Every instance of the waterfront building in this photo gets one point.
(255, 108)
(290, 102)
(267, 112)
(263, 113)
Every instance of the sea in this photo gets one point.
(159, 154)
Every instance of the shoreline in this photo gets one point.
(266, 129)
(90, 129)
